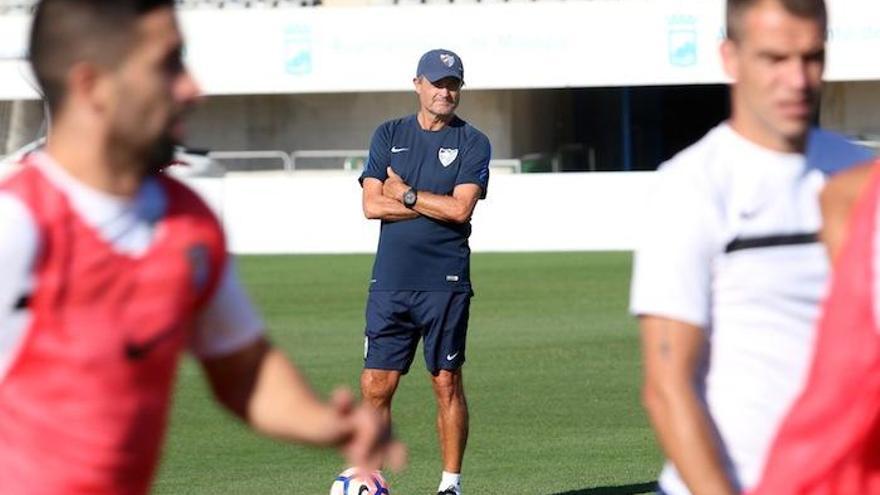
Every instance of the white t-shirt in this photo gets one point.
(729, 244)
(229, 321)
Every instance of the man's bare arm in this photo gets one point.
(837, 200)
(377, 206)
(457, 208)
(261, 386)
(672, 351)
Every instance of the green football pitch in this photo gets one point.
(552, 379)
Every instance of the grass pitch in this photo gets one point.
(552, 380)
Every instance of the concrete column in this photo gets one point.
(24, 124)
(852, 108)
(5, 115)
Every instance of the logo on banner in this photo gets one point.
(447, 156)
(682, 40)
(298, 50)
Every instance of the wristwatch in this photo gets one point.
(410, 197)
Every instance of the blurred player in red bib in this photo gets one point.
(830, 441)
(111, 270)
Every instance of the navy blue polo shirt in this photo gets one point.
(426, 254)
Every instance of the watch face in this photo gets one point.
(409, 198)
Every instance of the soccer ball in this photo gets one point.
(349, 483)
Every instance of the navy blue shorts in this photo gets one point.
(396, 320)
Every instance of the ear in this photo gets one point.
(730, 59)
(88, 86)
(417, 83)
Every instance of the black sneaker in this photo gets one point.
(448, 491)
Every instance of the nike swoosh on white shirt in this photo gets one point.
(450, 357)
(395, 149)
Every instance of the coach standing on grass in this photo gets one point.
(729, 275)
(423, 178)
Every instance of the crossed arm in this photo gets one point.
(672, 351)
(384, 200)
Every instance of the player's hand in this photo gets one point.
(369, 445)
(342, 401)
(394, 187)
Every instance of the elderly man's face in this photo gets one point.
(439, 98)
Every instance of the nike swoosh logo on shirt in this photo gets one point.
(450, 357)
(395, 149)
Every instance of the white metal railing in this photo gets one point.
(511, 164)
(348, 156)
(871, 143)
(351, 160)
(286, 160)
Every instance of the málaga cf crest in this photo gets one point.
(447, 59)
(447, 156)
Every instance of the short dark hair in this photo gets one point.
(66, 32)
(808, 9)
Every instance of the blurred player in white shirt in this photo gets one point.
(729, 274)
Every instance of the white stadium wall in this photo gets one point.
(324, 77)
(321, 213)
(505, 45)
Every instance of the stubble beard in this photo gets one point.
(160, 154)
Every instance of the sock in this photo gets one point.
(450, 479)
